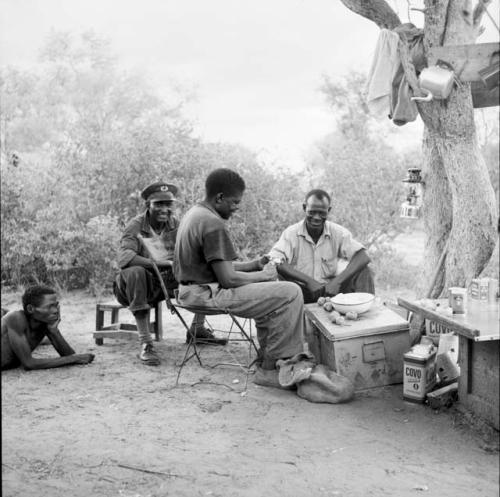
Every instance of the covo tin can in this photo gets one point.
(419, 373)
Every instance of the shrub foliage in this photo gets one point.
(82, 138)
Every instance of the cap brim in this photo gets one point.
(168, 196)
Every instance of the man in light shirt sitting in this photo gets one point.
(149, 237)
(321, 256)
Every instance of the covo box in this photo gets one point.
(434, 330)
(419, 373)
(369, 351)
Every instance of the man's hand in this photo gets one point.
(269, 272)
(314, 287)
(53, 327)
(332, 288)
(262, 262)
(313, 290)
(83, 358)
(164, 264)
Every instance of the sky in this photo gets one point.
(255, 66)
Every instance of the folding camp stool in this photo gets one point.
(192, 346)
(121, 330)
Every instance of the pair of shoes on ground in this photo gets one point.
(148, 355)
(205, 337)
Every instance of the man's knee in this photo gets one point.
(133, 273)
(131, 283)
(290, 292)
(365, 280)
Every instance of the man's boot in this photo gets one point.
(204, 337)
(148, 355)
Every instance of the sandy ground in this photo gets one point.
(118, 428)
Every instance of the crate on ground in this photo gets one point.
(369, 351)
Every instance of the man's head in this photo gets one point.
(224, 189)
(316, 207)
(160, 200)
(40, 302)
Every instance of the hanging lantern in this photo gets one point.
(410, 208)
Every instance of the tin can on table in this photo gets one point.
(484, 288)
(458, 298)
(474, 289)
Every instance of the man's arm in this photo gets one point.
(250, 266)
(21, 347)
(62, 347)
(147, 263)
(358, 261)
(229, 277)
(289, 273)
(284, 250)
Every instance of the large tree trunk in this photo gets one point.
(459, 200)
(460, 212)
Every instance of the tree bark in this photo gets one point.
(458, 196)
(377, 11)
(459, 206)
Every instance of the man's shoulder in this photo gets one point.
(201, 216)
(294, 229)
(15, 319)
(335, 228)
(135, 224)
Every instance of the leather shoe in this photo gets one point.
(269, 378)
(148, 355)
(205, 337)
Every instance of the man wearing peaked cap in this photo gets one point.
(151, 236)
(159, 191)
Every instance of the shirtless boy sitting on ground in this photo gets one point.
(22, 332)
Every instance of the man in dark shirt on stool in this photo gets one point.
(211, 277)
(151, 237)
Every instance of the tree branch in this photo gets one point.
(479, 11)
(378, 11)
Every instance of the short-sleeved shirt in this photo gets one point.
(318, 260)
(202, 238)
(130, 246)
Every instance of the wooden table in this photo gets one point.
(479, 351)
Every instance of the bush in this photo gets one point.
(392, 272)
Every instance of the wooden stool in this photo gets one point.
(121, 330)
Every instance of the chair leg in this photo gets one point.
(244, 333)
(99, 324)
(251, 343)
(114, 316)
(158, 323)
(191, 344)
